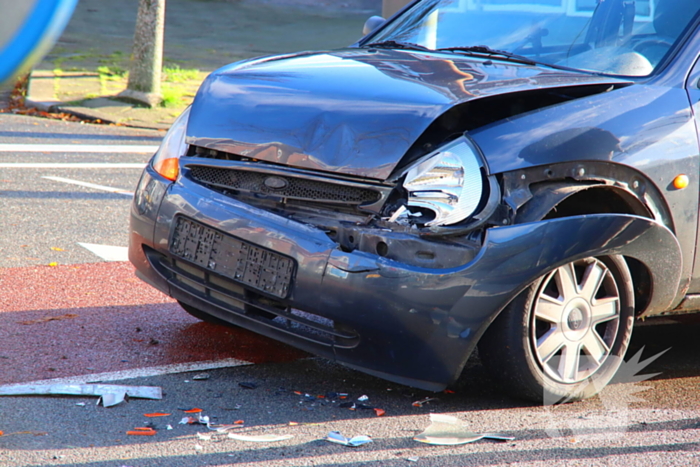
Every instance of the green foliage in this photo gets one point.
(180, 75)
(113, 72)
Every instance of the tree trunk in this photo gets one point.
(147, 56)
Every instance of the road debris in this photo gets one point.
(445, 430)
(201, 377)
(110, 394)
(46, 319)
(422, 402)
(156, 414)
(336, 437)
(363, 398)
(142, 431)
(413, 459)
(260, 438)
(247, 385)
(204, 420)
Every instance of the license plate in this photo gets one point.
(229, 256)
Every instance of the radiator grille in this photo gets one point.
(283, 186)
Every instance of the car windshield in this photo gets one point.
(618, 37)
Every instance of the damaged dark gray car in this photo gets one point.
(521, 176)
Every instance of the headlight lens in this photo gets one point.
(166, 161)
(447, 182)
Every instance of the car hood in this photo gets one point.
(355, 111)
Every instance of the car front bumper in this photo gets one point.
(412, 325)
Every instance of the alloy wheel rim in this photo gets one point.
(575, 320)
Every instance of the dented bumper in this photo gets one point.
(413, 325)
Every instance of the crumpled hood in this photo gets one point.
(353, 111)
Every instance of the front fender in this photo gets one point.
(513, 257)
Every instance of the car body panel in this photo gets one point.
(606, 127)
(416, 325)
(353, 111)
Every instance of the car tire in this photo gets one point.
(202, 315)
(563, 338)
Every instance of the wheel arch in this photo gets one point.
(554, 200)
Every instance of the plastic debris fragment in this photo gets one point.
(195, 410)
(110, 394)
(422, 402)
(363, 398)
(142, 431)
(260, 438)
(379, 411)
(156, 414)
(49, 318)
(201, 377)
(445, 430)
(336, 437)
(413, 459)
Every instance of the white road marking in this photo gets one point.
(70, 165)
(141, 372)
(80, 148)
(107, 252)
(110, 189)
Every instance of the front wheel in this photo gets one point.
(564, 337)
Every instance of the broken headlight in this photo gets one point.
(447, 183)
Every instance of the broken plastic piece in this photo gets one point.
(49, 318)
(379, 412)
(445, 430)
(420, 403)
(195, 410)
(156, 414)
(112, 399)
(110, 394)
(201, 377)
(336, 437)
(142, 431)
(260, 438)
(413, 459)
(363, 398)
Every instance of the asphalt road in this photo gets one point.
(67, 314)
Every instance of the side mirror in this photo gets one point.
(372, 23)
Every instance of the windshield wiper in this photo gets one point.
(486, 50)
(398, 45)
